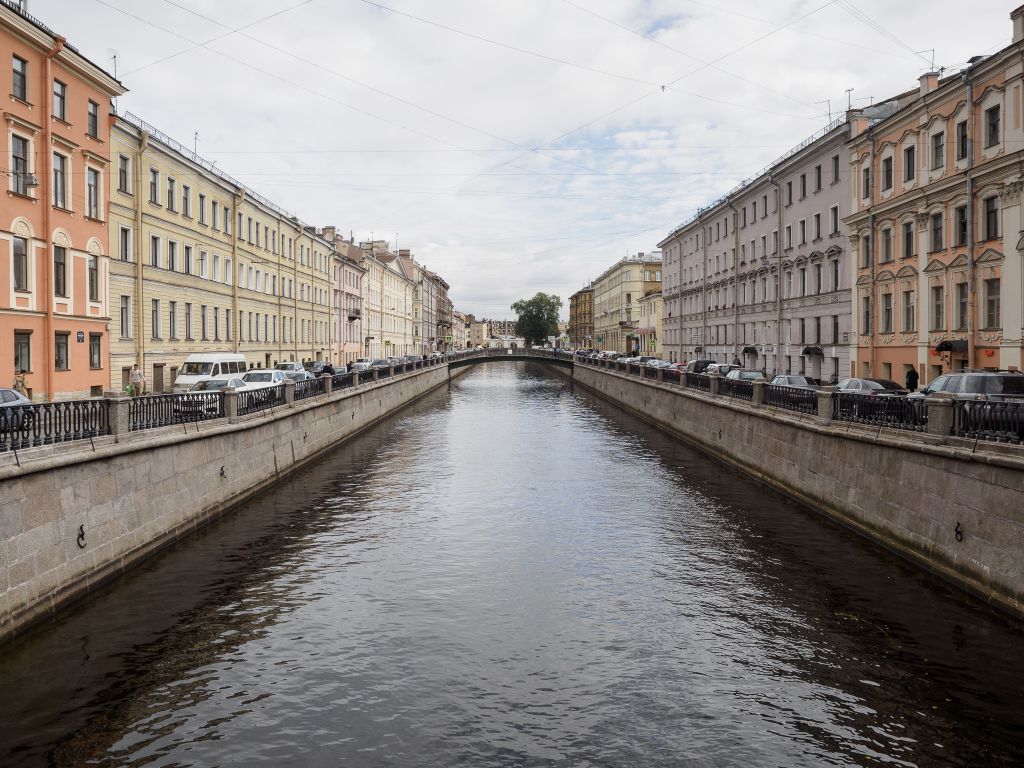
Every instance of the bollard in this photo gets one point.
(659, 374)
(757, 396)
(825, 405)
(230, 404)
(289, 392)
(328, 383)
(376, 374)
(716, 384)
(940, 414)
(118, 416)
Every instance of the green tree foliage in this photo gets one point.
(538, 317)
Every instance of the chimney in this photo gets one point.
(1017, 17)
(403, 252)
(929, 82)
(858, 122)
(329, 233)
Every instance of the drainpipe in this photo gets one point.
(703, 288)
(871, 254)
(778, 273)
(140, 283)
(972, 285)
(735, 281)
(46, 193)
(236, 202)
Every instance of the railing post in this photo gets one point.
(757, 393)
(328, 384)
(659, 374)
(230, 404)
(716, 384)
(825, 405)
(118, 415)
(376, 374)
(289, 392)
(682, 379)
(940, 414)
(391, 371)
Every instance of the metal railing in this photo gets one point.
(741, 389)
(698, 381)
(254, 400)
(29, 426)
(791, 398)
(996, 421)
(343, 380)
(897, 412)
(152, 411)
(310, 388)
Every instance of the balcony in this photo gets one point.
(354, 313)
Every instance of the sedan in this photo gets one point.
(13, 413)
(263, 378)
(797, 382)
(873, 387)
(299, 375)
(745, 375)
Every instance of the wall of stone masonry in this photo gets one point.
(138, 495)
(906, 490)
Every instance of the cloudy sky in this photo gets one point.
(514, 145)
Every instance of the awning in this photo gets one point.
(951, 345)
(750, 350)
(812, 351)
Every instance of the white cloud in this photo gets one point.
(460, 186)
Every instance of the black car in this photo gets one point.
(977, 385)
(873, 387)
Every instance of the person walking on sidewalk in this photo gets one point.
(912, 379)
(137, 381)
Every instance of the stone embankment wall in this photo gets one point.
(951, 506)
(75, 515)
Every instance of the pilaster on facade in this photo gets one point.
(615, 295)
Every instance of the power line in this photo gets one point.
(872, 24)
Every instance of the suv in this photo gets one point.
(980, 385)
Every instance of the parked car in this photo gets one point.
(796, 381)
(977, 385)
(366, 360)
(720, 368)
(206, 365)
(656, 363)
(289, 366)
(218, 383)
(200, 407)
(874, 387)
(745, 374)
(359, 365)
(698, 366)
(314, 366)
(381, 362)
(263, 378)
(13, 414)
(299, 375)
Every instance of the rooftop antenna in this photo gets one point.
(932, 52)
(849, 99)
(195, 143)
(828, 103)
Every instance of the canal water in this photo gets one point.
(515, 574)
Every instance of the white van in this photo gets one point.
(205, 365)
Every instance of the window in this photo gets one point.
(172, 255)
(938, 149)
(835, 274)
(835, 169)
(60, 351)
(865, 182)
(95, 348)
(887, 173)
(60, 167)
(227, 221)
(19, 84)
(992, 126)
(216, 323)
(991, 218)
(187, 259)
(202, 322)
(92, 193)
(833, 215)
(803, 281)
(92, 122)
(802, 229)
(909, 248)
(202, 263)
(753, 212)
(865, 260)
(936, 232)
(962, 313)
(60, 99)
(909, 163)
(214, 207)
(124, 244)
(764, 206)
(789, 193)
(835, 329)
(186, 200)
(817, 278)
(909, 311)
(865, 309)
(154, 186)
(188, 321)
(171, 191)
(22, 352)
(202, 208)
(124, 166)
(992, 303)
(94, 278)
(241, 224)
(155, 319)
(817, 226)
(886, 245)
(886, 313)
(60, 271)
(19, 253)
(172, 319)
(961, 225)
(803, 186)
(126, 317)
(19, 165)
(154, 251)
(789, 236)
(817, 178)
(938, 308)
(227, 324)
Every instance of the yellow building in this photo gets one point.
(650, 307)
(616, 293)
(388, 303)
(200, 263)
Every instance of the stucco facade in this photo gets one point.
(388, 303)
(936, 221)
(616, 293)
(348, 300)
(581, 318)
(649, 324)
(54, 302)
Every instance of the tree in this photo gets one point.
(537, 317)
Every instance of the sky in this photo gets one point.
(514, 146)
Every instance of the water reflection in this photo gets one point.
(513, 573)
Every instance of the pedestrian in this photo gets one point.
(912, 378)
(327, 370)
(137, 380)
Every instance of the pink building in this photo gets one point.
(347, 306)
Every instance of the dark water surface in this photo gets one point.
(515, 575)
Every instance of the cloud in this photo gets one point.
(508, 171)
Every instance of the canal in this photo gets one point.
(515, 574)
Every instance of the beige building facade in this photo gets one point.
(388, 303)
(201, 263)
(617, 292)
(648, 332)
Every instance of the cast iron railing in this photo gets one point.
(998, 421)
(28, 426)
(310, 388)
(791, 398)
(698, 381)
(254, 400)
(741, 389)
(152, 411)
(897, 412)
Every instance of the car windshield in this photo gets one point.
(196, 369)
(262, 376)
(1011, 384)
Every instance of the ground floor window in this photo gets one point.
(22, 351)
(95, 347)
(60, 352)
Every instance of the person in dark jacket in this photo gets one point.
(327, 370)
(912, 379)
